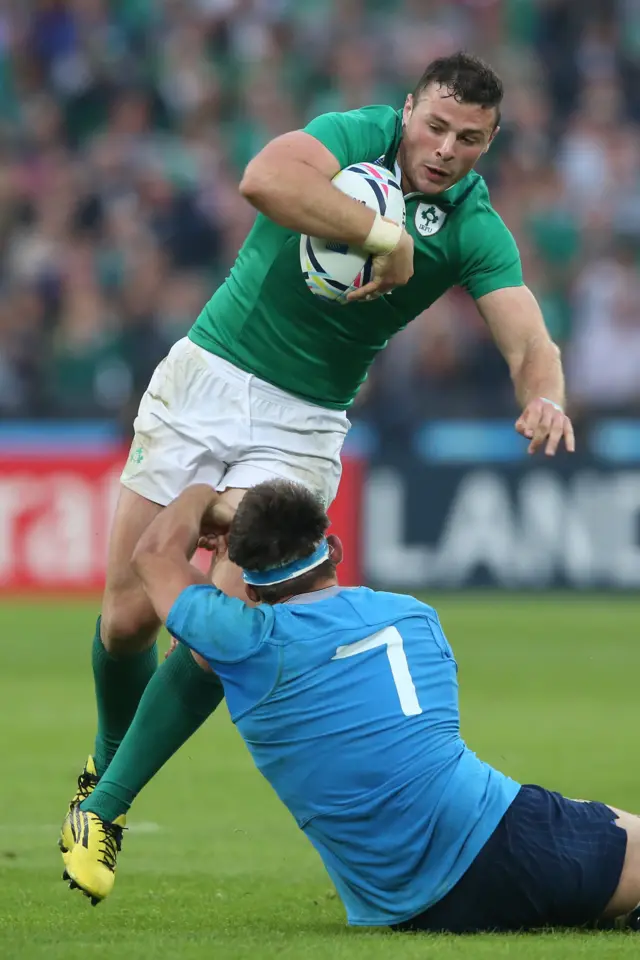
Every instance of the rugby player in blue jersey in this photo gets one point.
(347, 699)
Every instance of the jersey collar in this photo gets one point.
(316, 595)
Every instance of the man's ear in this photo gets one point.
(407, 110)
(336, 552)
(492, 138)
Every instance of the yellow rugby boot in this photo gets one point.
(91, 861)
(87, 782)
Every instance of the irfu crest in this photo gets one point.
(429, 219)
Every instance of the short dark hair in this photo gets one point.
(277, 522)
(466, 78)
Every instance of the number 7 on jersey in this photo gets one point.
(391, 638)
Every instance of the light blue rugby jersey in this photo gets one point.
(348, 702)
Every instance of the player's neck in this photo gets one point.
(323, 584)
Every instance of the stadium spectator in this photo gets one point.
(125, 126)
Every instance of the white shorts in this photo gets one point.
(202, 420)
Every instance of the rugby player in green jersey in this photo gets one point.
(260, 389)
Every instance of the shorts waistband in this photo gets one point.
(232, 374)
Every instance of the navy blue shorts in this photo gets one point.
(550, 862)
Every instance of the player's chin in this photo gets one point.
(432, 188)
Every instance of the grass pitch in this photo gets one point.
(214, 867)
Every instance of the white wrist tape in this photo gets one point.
(555, 405)
(383, 237)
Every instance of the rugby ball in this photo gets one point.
(332, 269)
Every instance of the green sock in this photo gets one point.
(176, 702)
(120, 682)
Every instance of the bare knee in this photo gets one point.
(128, 623)
(227, 576)
(627, 895)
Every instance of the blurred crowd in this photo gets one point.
(125, 126)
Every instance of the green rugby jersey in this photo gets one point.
(264, 320)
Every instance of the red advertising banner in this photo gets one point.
(56, 510)
(55, 513)
(345, 514)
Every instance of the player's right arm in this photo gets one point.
(289, 181)
(219, 628)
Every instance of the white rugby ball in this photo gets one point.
(332, 269)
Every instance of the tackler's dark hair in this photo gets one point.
(276, 523)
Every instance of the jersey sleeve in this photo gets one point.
(221, 629)
(356, 135)
(489, 257)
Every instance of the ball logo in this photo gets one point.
(332, 268)
(429, 219)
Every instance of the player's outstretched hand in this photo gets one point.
(545, 424)
(389, 271)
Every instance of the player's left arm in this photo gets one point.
(162, 556)
(518, 328)
(491, 271)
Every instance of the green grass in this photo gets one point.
(214, 867)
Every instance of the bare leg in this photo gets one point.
(123, 656)
(180, 697)
(627, 896)
(129, 622)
